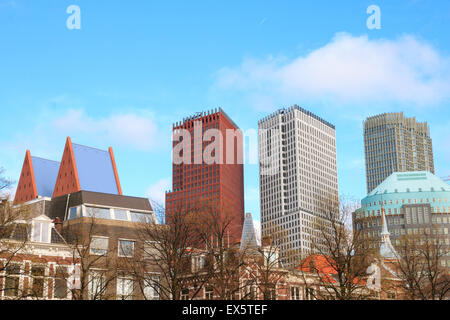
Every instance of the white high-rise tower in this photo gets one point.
(298, 171)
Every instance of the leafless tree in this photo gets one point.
(5, 183)
(423, 276)
(96, 265)
(14, 233)
(265, 266)
(166, 253)
(159, 210)
(341, 255)
(226, 262)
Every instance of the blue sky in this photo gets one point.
(135, 67)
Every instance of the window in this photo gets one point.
(120, 215)
(151, 287)
(60, 290)
(99, 245)
(11, 288)
(125, 288)
(73, 213)
(140, 217)
(96, 285)
(198, 263)
(296, 293)
(310, 294)
(184, 294)
(37, 274)
(40, 231)
(408, 216)
(126, 248)
(208, 293)
(272, 295)
(271, 258)
(249, 291)
(151, 250)
(100, 213)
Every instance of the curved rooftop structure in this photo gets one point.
(416, 181)
(403, 188)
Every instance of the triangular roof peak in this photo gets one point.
(42, 217)
(87, 168)
(37, 178)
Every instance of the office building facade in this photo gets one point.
(298, 171)
(394, 143)
(211, 169)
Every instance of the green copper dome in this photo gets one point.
(402, 188)
(415, 181)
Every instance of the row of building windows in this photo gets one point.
(99, 246)
(109, 213)
(39, 283)
(15, 273)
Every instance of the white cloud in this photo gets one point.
(157, 191)
(128, 129)
(348, 69)
(46, 135)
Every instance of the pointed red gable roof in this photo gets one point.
(67, 180)
(86, 168)
(26, 189)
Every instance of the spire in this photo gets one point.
(248, 233)
(384, 230)
(387, 251)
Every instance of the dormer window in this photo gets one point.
(74, 212)
(198, 263)
(41, 228)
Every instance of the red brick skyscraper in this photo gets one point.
(201, 172)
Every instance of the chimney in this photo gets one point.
(58, 224)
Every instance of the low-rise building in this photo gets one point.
(35, 261)
(80, 228)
